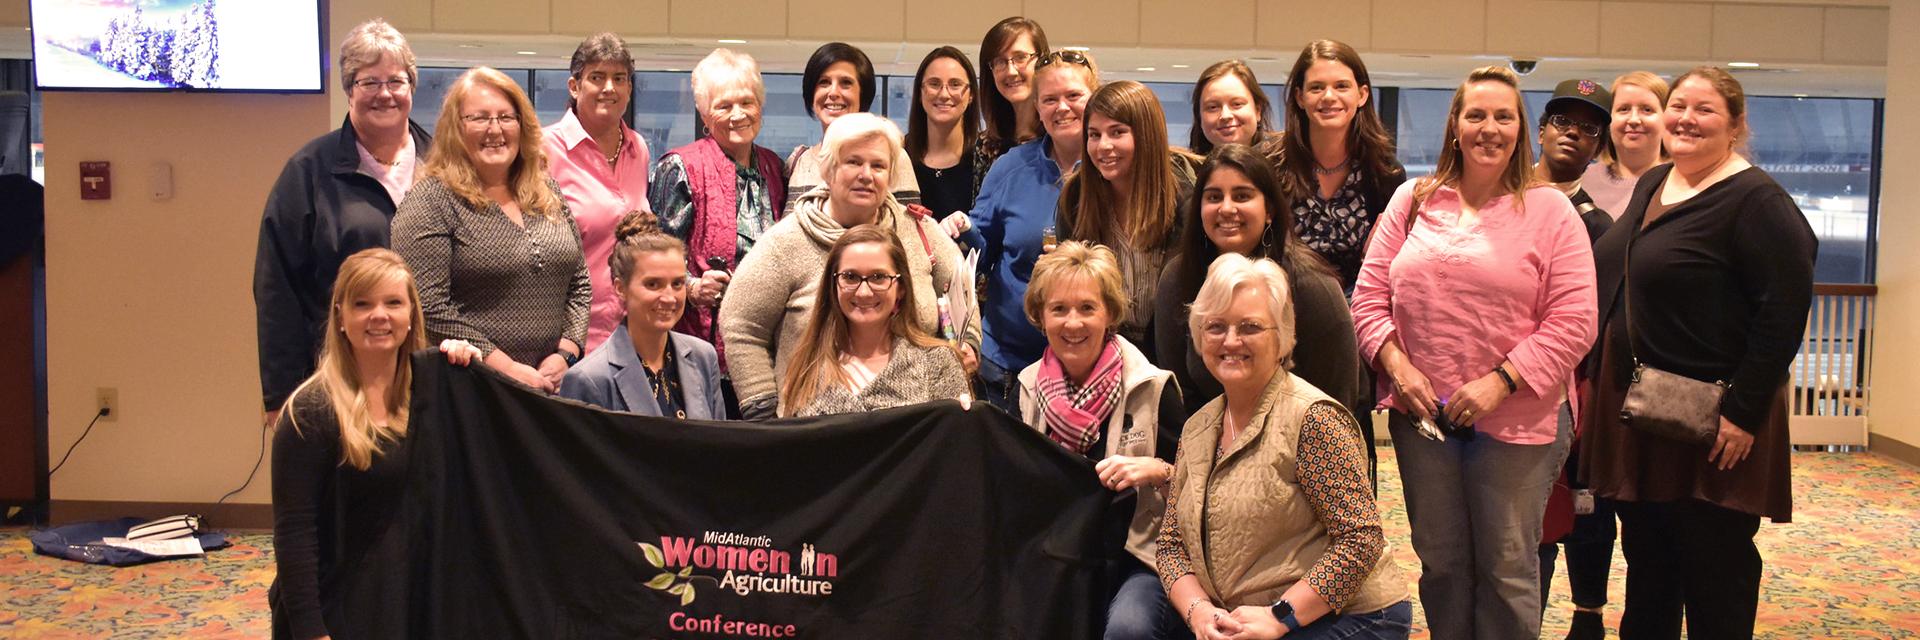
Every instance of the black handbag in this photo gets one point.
(1664, 403)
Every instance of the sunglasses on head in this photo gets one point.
(1068, 56)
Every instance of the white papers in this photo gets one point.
(960, 297)
(188, 546)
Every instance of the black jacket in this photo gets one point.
(321, 210)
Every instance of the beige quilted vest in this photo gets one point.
(1247, 527)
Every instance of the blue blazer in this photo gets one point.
(612, 377)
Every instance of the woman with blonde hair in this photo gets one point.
(1015, 210)
(1474, 303)
(495, 247)
(1637, 137)
(1096, 395)
(340, 459)
(335, 196)
(1128, 192)
(862, 349)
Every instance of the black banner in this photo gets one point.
(538, 518)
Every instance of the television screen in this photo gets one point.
(176, 45)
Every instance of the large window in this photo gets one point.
(1819, 149)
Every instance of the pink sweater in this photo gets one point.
(1517, 286)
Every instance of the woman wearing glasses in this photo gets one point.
(599, 162)
(1096, 394)
(1013, 219)
(779, 284)
(1008, 54)
(335, 197)
(492, 242)
(942, 126)
(859, 351)
(1475, 301)
(838, 81)
(1271, 528)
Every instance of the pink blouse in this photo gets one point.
(1517, 285)
(598, 196)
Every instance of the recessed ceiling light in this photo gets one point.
(731, 41)
(1263, 59)
(469, 46)
(674, 70)
(528, 53)
(1145, 69)
(1077, 48)
(1178, 66)
(1744, 65)
(1799, 95)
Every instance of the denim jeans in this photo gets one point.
(1139, 609)
(1391, 623)
(1475, 507)
(999, 387)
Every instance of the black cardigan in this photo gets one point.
(1721, 286)
(338, 538)
(321, 210)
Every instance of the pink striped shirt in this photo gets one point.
(1517, 285)
(598, 196)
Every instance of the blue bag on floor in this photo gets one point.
(80, 542)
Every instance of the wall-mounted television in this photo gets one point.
(177, 45)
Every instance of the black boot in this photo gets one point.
(1587, 626)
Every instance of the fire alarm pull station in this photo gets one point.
(96, 181)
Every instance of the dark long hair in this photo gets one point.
(828, 55)
(1367, 139)
(916, 142)
(995, 110)
(1278, 241)
(1238, 69)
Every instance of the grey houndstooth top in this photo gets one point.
(485, 280)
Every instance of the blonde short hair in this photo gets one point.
(367, 44)
(855, 128)
(722, 69)
(1229, 274)
(1075, 258)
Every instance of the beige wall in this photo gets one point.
(154, 298)
(1896, 372)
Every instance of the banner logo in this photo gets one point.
(747, 564)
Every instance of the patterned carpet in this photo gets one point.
(1847, 567)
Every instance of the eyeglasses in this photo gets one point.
(483, 123)
(935, 87)
(373, 85)
(1218, 331)
(1068, 56)
(876, 281)
(1563, 123)
(1018, 59)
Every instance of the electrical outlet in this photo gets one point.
(107, 399)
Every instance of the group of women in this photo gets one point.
(1210, 327)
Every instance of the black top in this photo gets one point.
(1721, 286)
(945, 191)
(338, 542)
(1325, 354)
(321, 210)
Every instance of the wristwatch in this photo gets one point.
(1283, 611)
(569, 358)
